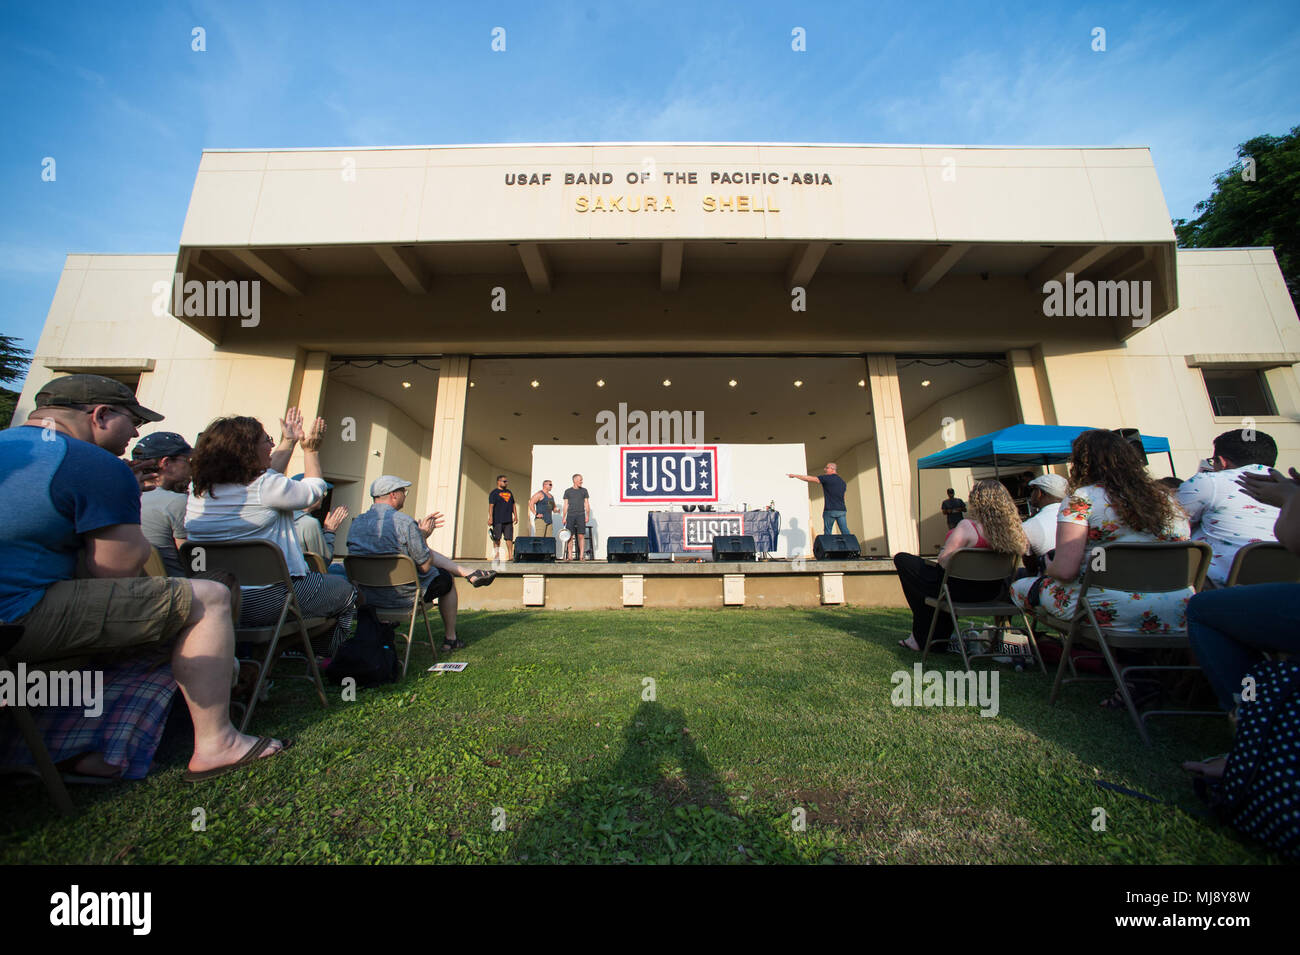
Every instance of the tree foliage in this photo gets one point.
(13, 367)
(1256, 202)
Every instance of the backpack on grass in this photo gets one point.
(369, 657)
(1260, 792)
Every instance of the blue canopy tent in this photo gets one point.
(1018, 446)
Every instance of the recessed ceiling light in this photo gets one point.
(731, 383)
(406, 384)
(862, 382)
(600, 382)
(770, 438)
(925, 383)
(798, 382)
(518, 414)
(668, 382)
(822, 438)
(502, 439)
(535, 383)
(471, 384)
(753, 412)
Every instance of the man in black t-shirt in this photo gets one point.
(833, 488)
(577, 512)
(503, 514)
(953, 509)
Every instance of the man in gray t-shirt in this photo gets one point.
(577, 512)
(162, 510)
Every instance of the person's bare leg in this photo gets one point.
(510, 550)
(201, 666)
(582, 550)
(447, 604)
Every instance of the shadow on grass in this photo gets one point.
(660, 802)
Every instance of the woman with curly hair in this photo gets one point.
(1111, 499)
(992, 523)
(239, 494)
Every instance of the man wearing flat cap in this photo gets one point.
(385, 530)
(1045, 495)
(166, 456)
(67, 495)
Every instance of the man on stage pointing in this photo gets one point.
(833, 488)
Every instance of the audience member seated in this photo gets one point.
(162, 507)
(1231, 627)
(67, 498)
(238, 496)
(384, 529)
(1113, 501)
(1045, 494)
(314, 535)
(1222, 514)
(1171, 486)
(993, 524)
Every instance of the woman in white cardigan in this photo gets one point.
(237, 494)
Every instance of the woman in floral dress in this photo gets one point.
(1111, 500)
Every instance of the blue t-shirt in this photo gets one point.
(53, 489)
(833, 488)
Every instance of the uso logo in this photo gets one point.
(651, 475)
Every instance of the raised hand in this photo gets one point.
(1273, 488)
(311, 441)
(291, 425)
(335, 518)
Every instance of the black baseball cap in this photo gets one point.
(159, 445)
(92, 390)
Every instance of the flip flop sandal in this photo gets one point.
(1221, 759)
(457, 645)
(252, 756)
(482, 578)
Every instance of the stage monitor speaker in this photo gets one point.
(1134, 438)
(535, 550)
(734, 547)
(836, 547)
(627, 550)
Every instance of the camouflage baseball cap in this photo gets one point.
(92, 390)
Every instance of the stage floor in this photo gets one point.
(591, 585)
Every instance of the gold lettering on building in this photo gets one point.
(739, 204)
(623, 204)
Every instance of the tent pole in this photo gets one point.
(1172, 472)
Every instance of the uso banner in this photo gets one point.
(671, 474)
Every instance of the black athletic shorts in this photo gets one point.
(576, 524)
(440, 586)
(506, 530)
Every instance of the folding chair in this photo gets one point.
(971, 563)
(392, 570)
(1263, 562)
(1156, 568)
(258, 563)
(10, 634)
(316, 563)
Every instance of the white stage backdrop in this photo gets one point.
(626, 482)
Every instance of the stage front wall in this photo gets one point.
(753, 474)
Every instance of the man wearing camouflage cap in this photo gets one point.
(67, 495)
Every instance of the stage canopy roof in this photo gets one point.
(1020, 444)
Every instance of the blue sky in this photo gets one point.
(114, 93)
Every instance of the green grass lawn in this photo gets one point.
(545, 749)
